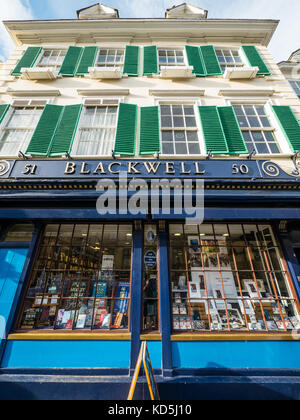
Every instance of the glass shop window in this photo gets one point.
(229, 278)
(19, 233)
(81, 279)
(150, 283)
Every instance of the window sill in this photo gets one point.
(233, 337)
(70, 336)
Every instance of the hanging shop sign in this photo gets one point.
(95, 169)
(150, 259)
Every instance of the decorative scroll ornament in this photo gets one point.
(4, 167)
(270, 168)
(273, 169)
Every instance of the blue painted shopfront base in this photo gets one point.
(67, 354)
(233, 385)
(237, 354)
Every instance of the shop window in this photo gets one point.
(97, 131)
(19, 233)
(229, 278)
(170, 57)
(109, 57)
(17, 132)
(52, 58)
(81, 279)
(179, 130)
(150, 283)
(259, 135)
(229, 58)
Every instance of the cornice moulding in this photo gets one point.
(176, 92)
(36, 92)
(252, 31)
(246, 92)
(103, 92)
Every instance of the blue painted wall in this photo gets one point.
(11, 267)
(68, 354)
(155, 352)
(237, 354)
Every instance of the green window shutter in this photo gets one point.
(211, 61)
(29, 58)
(87, 60)
(255, 59)
(3, 110)
(70, 63)
(195, 59)
(65, 133)
(126, 130)
(131, 63)
(213, 132)
(150, 60)
(150, 131)
(289, 124)
(45, 130)
(234, 137)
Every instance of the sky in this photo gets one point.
(285, 41)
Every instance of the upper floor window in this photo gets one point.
(18, 130)
(52, 58)
(258, 132)
(229, 58)
(296, 86)
(109, 57)
(170, 57)
(179, 130)
(97, 130)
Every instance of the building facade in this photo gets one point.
(115, 100)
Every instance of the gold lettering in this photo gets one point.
(170, 168)
(110, 168)
(151, 168)
(83, 169)
(100, 168)
(70, 168)
(132, 168)
(183, 171)
(198, 172)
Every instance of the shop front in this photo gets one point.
(217, 302)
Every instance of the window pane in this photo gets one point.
(87, 276)
(194, 148)
(19, 233)
(181, 148)
(168, 148)
(223, 278)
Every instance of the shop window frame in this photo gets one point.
(227, 333)
(77, 331)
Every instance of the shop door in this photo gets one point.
(12, 264)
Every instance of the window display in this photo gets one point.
(229, 278)
(81, 279)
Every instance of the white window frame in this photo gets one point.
(108, 65)
(232, 65)
(97, 101)
(40, 57)
(285, 150)
(184, 101)
(182, 49)
(21, 103)
(295, 81)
